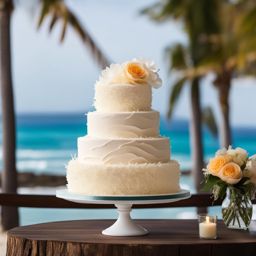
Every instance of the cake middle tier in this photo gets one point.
(123, 124)
(115, 151)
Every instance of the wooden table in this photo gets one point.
(167, 237)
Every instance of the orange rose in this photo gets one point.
(136, 73)
(231, 173)
(217, 163)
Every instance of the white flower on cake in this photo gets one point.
(131, 72)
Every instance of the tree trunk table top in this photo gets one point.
(166, 237)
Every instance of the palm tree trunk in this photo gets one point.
(196, 135)
(10, 216)
(196, 138)
(225, 128)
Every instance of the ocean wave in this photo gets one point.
(47, 154)
(32, 165)
(42, 153)
(184, 160)
(42, 166)
(42, 161)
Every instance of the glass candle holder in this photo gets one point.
(207, 226)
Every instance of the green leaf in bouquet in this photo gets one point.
(222, 190)
(219, 190)
(249, 189)
(245, 187)
(209, 182)
(241, 184)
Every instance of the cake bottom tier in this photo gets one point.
(119, 179)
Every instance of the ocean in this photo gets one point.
(46, 142)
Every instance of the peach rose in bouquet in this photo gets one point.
(231, 173)
(216, 163)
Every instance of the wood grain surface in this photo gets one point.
(166, 237)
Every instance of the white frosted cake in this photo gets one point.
(123, 153)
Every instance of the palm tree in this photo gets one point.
(57, 9)
(198, 18)
(237, 49)
(234, 54)
(9, 176)
(225, 44)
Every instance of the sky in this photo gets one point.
(53, 77)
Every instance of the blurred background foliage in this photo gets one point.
(221, 41)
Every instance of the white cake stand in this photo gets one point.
(124, 225)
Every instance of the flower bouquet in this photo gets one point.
(231, 174)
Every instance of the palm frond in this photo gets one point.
(248, 22)
(176, 90)
(53, 21)
(209, 120)
(57, 10)
(45, 8)
(177, 56)
(164, 10)
(174, 8)
(88, 40)
(150, 10)
(64, 29)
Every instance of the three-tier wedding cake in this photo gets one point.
(123, 153)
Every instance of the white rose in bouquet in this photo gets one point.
(239, 155)
(221, 152)
(250, 169)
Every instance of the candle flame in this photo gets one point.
(207, 219)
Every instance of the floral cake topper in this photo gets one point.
(134, 72)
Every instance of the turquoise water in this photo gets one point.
(45, 143)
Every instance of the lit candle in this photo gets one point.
(208, 227)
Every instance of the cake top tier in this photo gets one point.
(126, 87)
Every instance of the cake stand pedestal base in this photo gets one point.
(124, 225)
